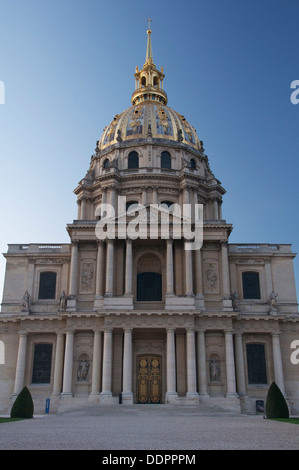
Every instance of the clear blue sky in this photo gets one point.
(68, 67)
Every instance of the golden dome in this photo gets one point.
(149, 117)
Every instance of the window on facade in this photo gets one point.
(149, 287)
(133, 160)
(41, 371)
(106, 163)
(256, 364)
(192, 164)
(251, 285)
(130, 205)
(165, 160)
(47, 285)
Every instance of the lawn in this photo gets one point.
(287, 420)
(8, 420)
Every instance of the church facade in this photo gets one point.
(126, 312)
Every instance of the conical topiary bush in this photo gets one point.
(23, 405)
(276, 406)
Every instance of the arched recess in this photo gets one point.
(149, 279)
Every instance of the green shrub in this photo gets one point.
(23, 405)
(276, 406)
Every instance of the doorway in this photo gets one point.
(149, 373)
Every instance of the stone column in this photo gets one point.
(202, 365)
(226, 301)
(215, 209)
(154, 195)
(144, 195)
(129, 269)
(191, 366)
(171, 393)
(99, 294)
(169, 268)
(83, 209)
(240, 370)
(199, 297)
(188, 273)
(230, 365)
(278, 370)
(58, 367)
(127, 395)
(106, 393)
(109, 268)
(96, 363)
(71, 302)
(21, 363)
(68, 365)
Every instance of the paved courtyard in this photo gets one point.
(147, 427)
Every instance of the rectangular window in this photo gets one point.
(47, 285)
(256, 364)
(42, 360)
(251, 285)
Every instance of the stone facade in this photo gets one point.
(145, 320)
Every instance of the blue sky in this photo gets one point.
(68, 65)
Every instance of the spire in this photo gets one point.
(149, 80)
(149, 51)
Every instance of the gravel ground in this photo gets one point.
(147, 427)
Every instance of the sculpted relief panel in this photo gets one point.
(211, 277)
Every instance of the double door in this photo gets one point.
(149, 368)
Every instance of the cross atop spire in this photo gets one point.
(149, 22)
(149, 51)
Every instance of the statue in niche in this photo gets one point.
(26, 301)
(62, 300)
(83, 370)
(214, 371)
(273, 303)
(235, 302)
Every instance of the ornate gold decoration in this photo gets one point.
(135, 117)
(163, 118)
(149, 379)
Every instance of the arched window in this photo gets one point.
(47, 285)
(133, 160)
(256, 363)
(149, 287)
(42, 359)
(168, 205)
(106, 164)
(192, 164)
(130, 205)
(165, 160)
(155, 81)
(251, 285)
(143, 81)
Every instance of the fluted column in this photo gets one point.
(240, 370)
(127, 395)
(169, 267)
(129, 268)
(68, 364)
(188, 273)
(226, 301)
(106, 392)
(96, 363)
(215, 209)
(21, 363)
(171, 392)
(109, 268)
(58, 367)
(278, 370)
(74, 268)
(230, 365)
(199, 297)
(191, 365)
(202, 366)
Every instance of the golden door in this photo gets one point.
(149, 379)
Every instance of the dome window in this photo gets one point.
(133, 160)
(165, 160)
(106, 164)
(192, 164)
